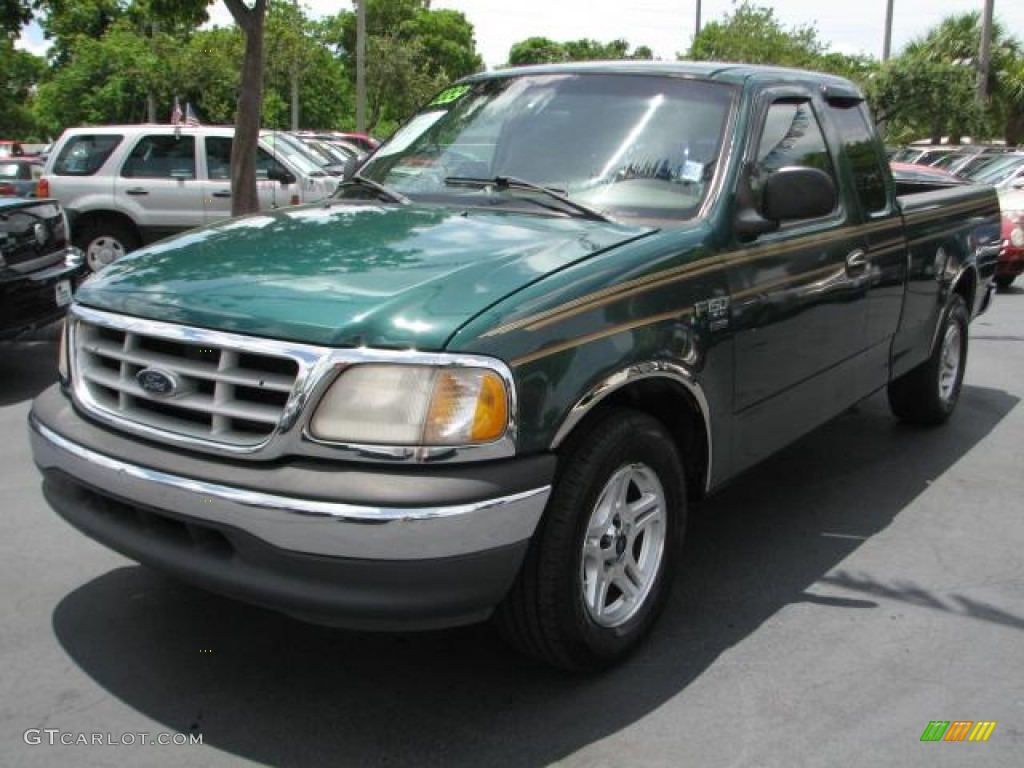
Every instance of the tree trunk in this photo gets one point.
(244, 196)
(1013, 132)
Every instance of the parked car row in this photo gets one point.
(126, 185)
(996, 166)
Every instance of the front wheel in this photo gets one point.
(105, 240)
(599, 569)
(928, 394)
(1004, 281)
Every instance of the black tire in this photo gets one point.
(106, 239)
(1004, 281)
(547, 614)
(928, 394)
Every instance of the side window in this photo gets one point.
(218, 157)
(84, 154)
(791, 136)
(268, 167)
(865, 162)
(162, 157)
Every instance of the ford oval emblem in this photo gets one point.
(157, 382)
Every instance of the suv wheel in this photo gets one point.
(104, 241)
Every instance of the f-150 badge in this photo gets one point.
(714, 312)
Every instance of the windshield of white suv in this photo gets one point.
(624, 145)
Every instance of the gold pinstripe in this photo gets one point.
(581, 340)
(660, 279)
(653, 319)
(656, 280)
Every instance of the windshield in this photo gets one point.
(295, 155)
(626, 145)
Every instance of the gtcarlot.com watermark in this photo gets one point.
(55, 736)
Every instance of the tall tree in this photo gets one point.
(541, 50)
(250, 19)
(20, 71)
(753, 35)
(325, 93)
(397, 81)
(923, 89)
(14, 14)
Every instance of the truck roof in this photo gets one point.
(730, 72)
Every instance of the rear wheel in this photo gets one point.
(929, 393)
(105, 240)
(600, 567)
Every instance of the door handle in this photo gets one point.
(856, 262)
(136, 191)
(222, 194)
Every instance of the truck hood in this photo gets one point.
(344, 275)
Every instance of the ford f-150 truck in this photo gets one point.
(491, 373)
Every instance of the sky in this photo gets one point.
(667, 26)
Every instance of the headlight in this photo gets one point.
(1013, 228)
(381, 404)
(63, 366)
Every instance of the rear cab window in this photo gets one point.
(863, 156)
(84, 154)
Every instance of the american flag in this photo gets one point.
(190, 115)
(176, 114)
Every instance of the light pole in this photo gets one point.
(985, 52)
(361, 66)
(697, 26)
(887, 41)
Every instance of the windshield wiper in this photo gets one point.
(511, 182)
(362, 181)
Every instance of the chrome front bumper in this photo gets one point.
(303, 525)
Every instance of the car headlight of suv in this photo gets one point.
(414, 405)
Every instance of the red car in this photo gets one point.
(1011, 257)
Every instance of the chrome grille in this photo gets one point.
(221, 394)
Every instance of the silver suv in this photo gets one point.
(126, 185)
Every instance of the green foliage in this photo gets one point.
(19, 72)
(536, 50)
(207, 74)
(106, 81)
(398, 81)
(296, 45)
(753, 35)
(930, 89)
(916, 98)
(13, 13)
(444, 38)
(541, 50)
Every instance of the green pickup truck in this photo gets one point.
(491, 373)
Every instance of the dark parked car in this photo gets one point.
(39, 268)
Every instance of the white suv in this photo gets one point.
(125, 185)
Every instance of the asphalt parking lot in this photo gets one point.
(833, 602)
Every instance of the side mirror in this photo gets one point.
(351, 166)
(279, 174)
(793, 192)
(798, 193)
